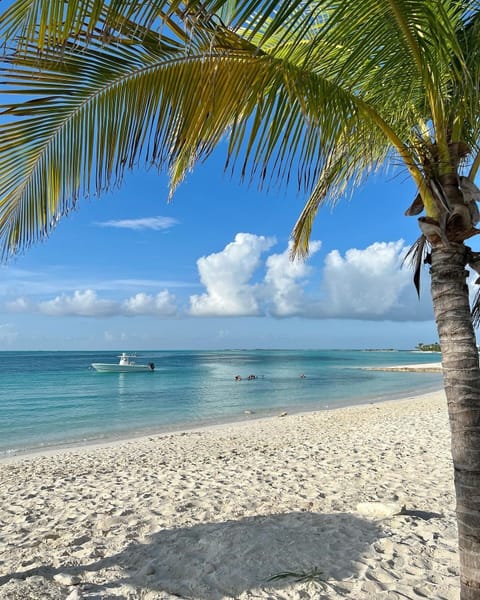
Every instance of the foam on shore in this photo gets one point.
(359, 500)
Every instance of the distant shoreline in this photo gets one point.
(420, 368)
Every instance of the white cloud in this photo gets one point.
(370, 284)
(226, 276)
(163, 304)
(19, 305)
(364, 284)
(284, 282)
(81, 304)
(88, 304)
(155, 223)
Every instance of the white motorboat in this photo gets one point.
(126, 364)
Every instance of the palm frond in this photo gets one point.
(415, 258)
(476, 310)
(49, 24)
(357, 152)
(162, 104)
(323, 91)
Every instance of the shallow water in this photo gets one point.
(56, 398)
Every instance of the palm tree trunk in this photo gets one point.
(462, 387)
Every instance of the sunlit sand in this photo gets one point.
(352, 503)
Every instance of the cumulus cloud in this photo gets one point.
(365, 284)
(372, 283)
(19, 305)
(284, 282)
(163, 304)
(80, 304)
(88, 304)
(226, 276)
(155, 223)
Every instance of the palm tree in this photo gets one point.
(322, 91)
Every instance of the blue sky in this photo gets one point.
(131, 271)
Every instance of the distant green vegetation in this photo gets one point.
(428, 347)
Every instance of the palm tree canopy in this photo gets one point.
(319, 92)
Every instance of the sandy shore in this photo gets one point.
(219, 513)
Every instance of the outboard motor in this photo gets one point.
(152, 366)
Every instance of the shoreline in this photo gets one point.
(185, 428)
(362, 495)
(96, 410)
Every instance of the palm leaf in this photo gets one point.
(50, 24)
(476, 310)
(296, 88)
(415, 258)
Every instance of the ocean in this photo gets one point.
(55, 399)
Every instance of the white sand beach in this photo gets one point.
(217, 513)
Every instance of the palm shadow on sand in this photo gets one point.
(216, 560)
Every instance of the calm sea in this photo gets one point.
(50, 399)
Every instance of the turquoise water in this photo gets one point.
(54, 398)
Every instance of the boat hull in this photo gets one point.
(112, 368)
